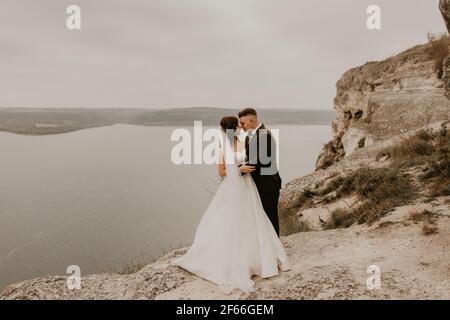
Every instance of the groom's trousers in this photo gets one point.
(270, 204)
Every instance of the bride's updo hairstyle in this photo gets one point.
(229, 126)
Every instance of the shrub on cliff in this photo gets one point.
(429, 150)
(379, 191)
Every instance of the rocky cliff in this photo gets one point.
(392, 118)
(381, 100)
(444, 6)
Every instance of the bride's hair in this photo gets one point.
(229, 125)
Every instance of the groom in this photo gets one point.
(261, 154)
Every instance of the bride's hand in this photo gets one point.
(246, 169)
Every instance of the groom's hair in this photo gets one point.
(247, 112)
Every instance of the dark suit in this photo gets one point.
(261, 153)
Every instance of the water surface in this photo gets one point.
(104, 198)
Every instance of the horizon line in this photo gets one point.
(171, 108)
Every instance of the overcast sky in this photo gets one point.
(182, 53)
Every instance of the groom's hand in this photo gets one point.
(246, 169)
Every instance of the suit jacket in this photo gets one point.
(261, 153)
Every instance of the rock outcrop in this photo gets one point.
(381, 100)
(379, 105)
(444, 6)
(446, 76)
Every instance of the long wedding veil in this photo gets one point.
(227, 152)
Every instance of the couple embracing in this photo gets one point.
(238, 235)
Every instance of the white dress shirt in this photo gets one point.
(253, 132)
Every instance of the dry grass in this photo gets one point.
(304, 226)
(429, 228)
(412, 147)
(342, 185)
(131, 268)
(428, 219)
(379, 191)
(421, 215)
(386, 224)
(143, 260)
(429, 150)
(289, 222)
(340, 218)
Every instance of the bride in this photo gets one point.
(235, 239)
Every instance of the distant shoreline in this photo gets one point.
(48, 121)
(63, 131)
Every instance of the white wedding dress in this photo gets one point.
(235, 239)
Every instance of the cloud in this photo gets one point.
(161, 53)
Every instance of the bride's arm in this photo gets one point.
(221, 166)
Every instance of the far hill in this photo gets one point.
(212, 116)
(40, 121)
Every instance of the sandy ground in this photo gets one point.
(330, 264)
